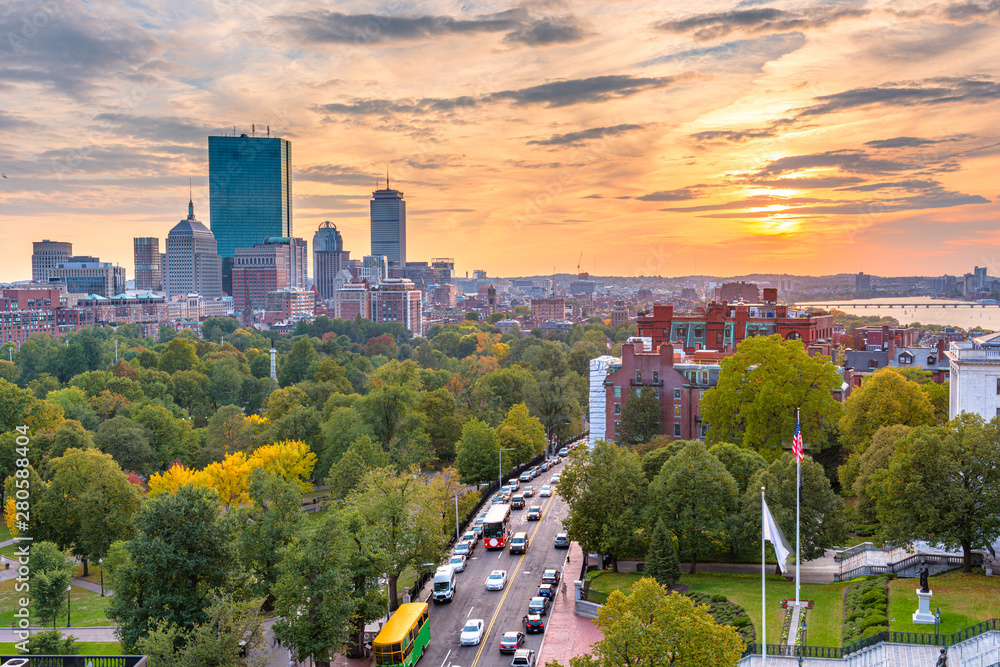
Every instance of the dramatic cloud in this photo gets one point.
(910, 142)
(681, 194)
(764, 19)
(929, 92)
(336, 174)
(851, 161)
(158, 128)
(577, 138)
(546, 31)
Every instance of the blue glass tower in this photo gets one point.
(250, 190)
(388, 219)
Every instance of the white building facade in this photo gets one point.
(975, 377)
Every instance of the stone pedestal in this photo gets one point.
(923, 615)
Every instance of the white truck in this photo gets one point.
(444, 584)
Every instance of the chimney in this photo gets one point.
(940, 348)
(770, 295)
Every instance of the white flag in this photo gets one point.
(774, 535)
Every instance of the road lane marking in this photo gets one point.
(470, 611)
(446, 658)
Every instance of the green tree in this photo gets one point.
(884, 399)
(693, 495)
(128, 443)
(522, 433)
(179, 355)
(362, 456)
(943, 486)
(341, 428)
(75, 405)
(20, 407)
(662, 563)
(191, 391)
(477, 453)
(295, 366)
(823, 519)
(443, 425)
(606, 493)
(875, 458)
(228, 432)
(50, 575)
(653, 460)
(171, 438)
(270, 524)
(52, 642)
(214, 328)
(742, 463)
(640, 420)
(500, 390)
(88, 504)
(180, 558)
(760, 387)
(650, 628)
(938, 393)
(232, 636)
(390, 412)
(283, 400)
(552, 400)
(227, 382)
(70, 435)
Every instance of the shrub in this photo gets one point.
(874, 630)
(874, 595)
(720, 598)
(741, 621)
(872, 621)
(865, 530)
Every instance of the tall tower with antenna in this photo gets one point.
(388, 223)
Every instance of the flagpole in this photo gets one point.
(763, 581)
(798, 495)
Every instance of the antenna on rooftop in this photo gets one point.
(269, 130)
(386, 175)
(253, 129)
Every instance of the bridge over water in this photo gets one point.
(940, 304)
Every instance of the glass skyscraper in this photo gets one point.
(250, 190)
(388, 214)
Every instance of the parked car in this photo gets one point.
(519, 543)
(525, 476)
(511, 641)
(538, 605)
(457, 561)
(545, 491)
(544, 466)
(472, 633)
(533, 623)
(523, 658)
(550, 576)
(547, 591)
(528, 492)
(497, 580)
(534, 513)
(563, 452)
(555, 478)
(471, 536)
(477, 527)
(462, 549)
(562, 541)
(513, 481)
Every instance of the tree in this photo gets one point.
(884, 399)
(50, 575)
(648, 627)
(70, 435)
(227, 382)
(606, 493)
(233, 635)
(551, 399)
(875, 458)
(89, 503)
(268, 525)
(75, 405)
(498, 391)
(653, 460)
(179, 355)
(20, 407)
(214, 328)
(180, 558)
(742, 463)
(823, 520)
(943, 486)
(760, 387)
(281, 401)
(290, 460)
(191, 391)
(662, 563)
(128, 443)
(640, 417)
(693, 495)
(522, 433)
(443, 424)
(341, 428)
(171, 438)
(228, 431)
(295, 365)
(477, 452)
(52, 642)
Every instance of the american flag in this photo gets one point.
(797, 441)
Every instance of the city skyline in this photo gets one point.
(730, 139)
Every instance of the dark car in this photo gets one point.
(538, 605)
(547, 591)
(550, 576)
(533, 623)
(511, 641)
(534, 513)
(562, 541)
(544, 466)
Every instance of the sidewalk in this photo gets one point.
(566, 634)
(98, 633)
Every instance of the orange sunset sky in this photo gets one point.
(656, 138)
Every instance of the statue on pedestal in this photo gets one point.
(942, 660)
(924, 573)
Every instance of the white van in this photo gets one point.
(444, 584)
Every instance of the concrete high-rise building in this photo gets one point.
(47, 255)
(193, 263)
(862, 283)
(250, 192)
(298, 260)
(100, 278)
(388, 221)
(398, 300)
(257, 271)
(444, 270)
(981, 281)
(328, 258)
(374, 269)
(352, 300)
(148, 266)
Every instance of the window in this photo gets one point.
(618, 408)
(677, 394)
(697, 332)
(872, 363)
(931, 360)
(905, 359)
(638, 377)
(618, 426)
(718, 338)
(618, 392)
(681, 332)
(703, 429)
(998, 386)
(677, 430)
(677, 411)
(656, 376)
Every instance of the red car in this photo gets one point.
(511, 641)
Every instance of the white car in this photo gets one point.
(458, 562)
(462, 549)
(545, 491)
(472, 633)
(497, 580)
(555, 478)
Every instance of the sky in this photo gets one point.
(632, 138)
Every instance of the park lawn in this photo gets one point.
(825, 620)
(87, 607)
(964, 599)
(4, 532)
(86, 648)
(93, 569)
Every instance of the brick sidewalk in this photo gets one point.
(566, 634)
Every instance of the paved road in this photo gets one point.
(501, 610)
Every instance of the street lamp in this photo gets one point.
(804, 631)
(102, 575)
(456, 518)
(937, 621)
(502, 450)
(68, 589)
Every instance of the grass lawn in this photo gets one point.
(86, 648)
(964, 600)
(4, 531)
(824, 620)
(87, 607)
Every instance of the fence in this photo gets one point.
(80, 660)
(906, 563)
(889, 636)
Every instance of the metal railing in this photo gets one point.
(80, 660)
(906, 563)
(853, 551)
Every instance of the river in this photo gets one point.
(968, 315)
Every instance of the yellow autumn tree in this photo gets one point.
(289, 459)
(10, 517)
(172, 479)
(230, 478)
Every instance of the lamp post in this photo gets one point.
(457, 536)
(68, 589)
(937, 621)
(102, 575)
(803, 631)
(502, 450)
